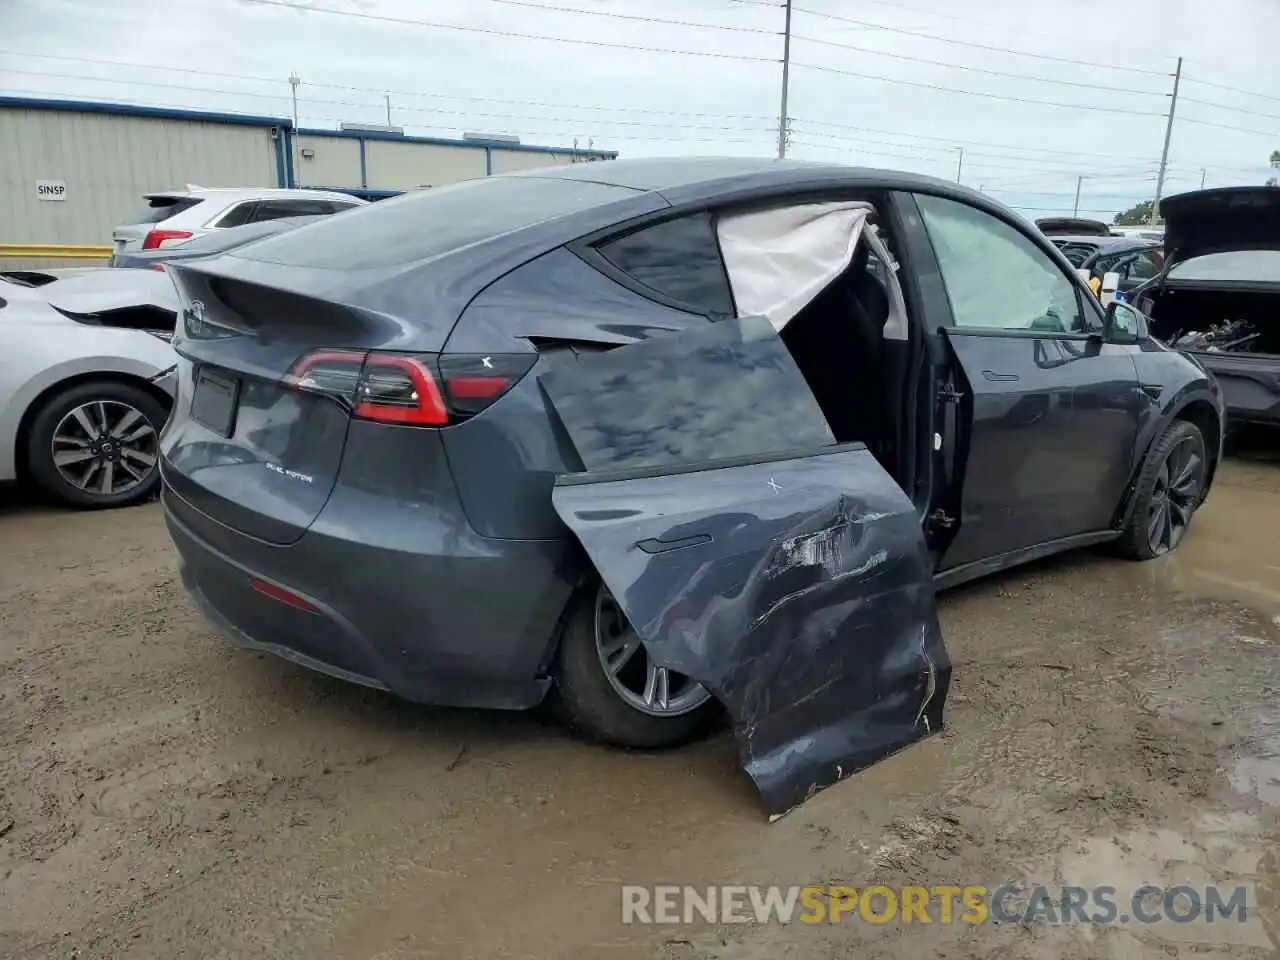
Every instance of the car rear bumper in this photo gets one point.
(464, 621)
(1250, 385)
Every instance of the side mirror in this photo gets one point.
(1123, 324)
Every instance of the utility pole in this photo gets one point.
(387, 97)
(783, 122)
(1204, 174)
(1075, 211)
(294, 80)
(1168, 135)
(960, 165)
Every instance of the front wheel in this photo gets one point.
(97, 445)
(612, 691)
(1169, 489)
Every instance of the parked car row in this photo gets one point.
(675, 440)
(86, 372)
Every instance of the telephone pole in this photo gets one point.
(387, 97)
(783, 122)
(294, 80)
(1204, 175)
(960, 165)
(1168, 135)
(1075, 211)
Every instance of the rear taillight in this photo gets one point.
(157, 239)
(159, 266)
(424, 390)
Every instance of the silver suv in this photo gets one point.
(173, 217)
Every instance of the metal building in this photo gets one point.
(70, 170)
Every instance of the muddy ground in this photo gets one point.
(163, 794)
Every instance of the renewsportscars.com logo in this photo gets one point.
(943, 904)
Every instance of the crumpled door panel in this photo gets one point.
(798, 591)
(785, 573)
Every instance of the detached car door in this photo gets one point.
(787, 574)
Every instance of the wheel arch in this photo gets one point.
(1195, 407)
(33, 408)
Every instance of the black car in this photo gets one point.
(1135, 260)
(667, 437)
(1219, 295)
(209, 244)
(1073, 227)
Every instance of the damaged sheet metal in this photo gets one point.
(794, 584)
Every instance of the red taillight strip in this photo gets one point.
(476, 388)
(156, 238)
(303, 366)
(430, 409)
(282, 595)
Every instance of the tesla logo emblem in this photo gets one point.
(775, 487)
(487, 363)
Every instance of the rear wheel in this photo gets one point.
(97, 444)
(1169, 489)
(612, 691)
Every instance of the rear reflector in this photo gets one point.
(164, 238)
(281, 594)
(422, 390)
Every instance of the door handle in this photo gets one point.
(654, 545)
(992, 377)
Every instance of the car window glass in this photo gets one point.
(238, 215)
(162, 208)
(1077, 253)
(1248, 266)
(996, 277)
(677, 258)
(425, 223)
(278, 209)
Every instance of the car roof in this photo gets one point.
(263, 193)
(692, 176)
(1109, 243)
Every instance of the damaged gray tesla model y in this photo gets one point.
(664, 439)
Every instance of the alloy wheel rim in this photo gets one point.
(642, 684)
(105, 447)
(1175, 496)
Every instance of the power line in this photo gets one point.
(1223, 86)
(1109, 88)
(511, 34)
(968, 20)
(428, 110)
(977, 93)
(950, 151)
(1225, 126)
(1223, 106)
(635, 17)
(340, 86)
(967, 143)
(977, 46)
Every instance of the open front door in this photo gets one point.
(785, 573)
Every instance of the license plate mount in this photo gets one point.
(214, 402)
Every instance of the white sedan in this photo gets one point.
(85, 382)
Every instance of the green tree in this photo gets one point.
(1275, 165)
(1139, 215)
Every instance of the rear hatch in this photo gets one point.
(291, 343)
(1227, 220)
(132, 233)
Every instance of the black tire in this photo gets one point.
(40, 465)
(589, 705)
(1135, 542)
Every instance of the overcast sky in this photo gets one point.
(906, 97)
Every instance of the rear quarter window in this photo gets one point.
(162, 208)
(426, 223)
(679, 259)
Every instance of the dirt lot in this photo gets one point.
(165, 795)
